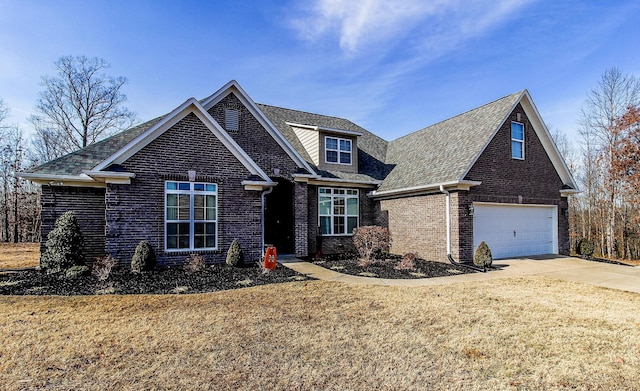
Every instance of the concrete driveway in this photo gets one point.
(606, 275)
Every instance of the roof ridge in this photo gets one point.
(459, 115)
(305, 112)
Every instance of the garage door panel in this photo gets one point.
(515, 230)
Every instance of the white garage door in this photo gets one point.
(515, 230)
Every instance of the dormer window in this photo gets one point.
(231, 120)
(337, 150)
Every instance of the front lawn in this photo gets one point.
(19, 255)
(507, 334)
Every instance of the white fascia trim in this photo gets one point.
(324, 129)
(123, 178)
(541, 131)
(547, 141)
(493, 135)
(569, 192)
(258, 185)
(191, 105)
(62, 180)
(431, 188)
(341, 182)
(246, 100)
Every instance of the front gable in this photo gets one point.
(262, 140)
(501, 174)
(204, 126)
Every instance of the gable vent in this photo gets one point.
(231, 120)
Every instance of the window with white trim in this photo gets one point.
(517, 140)
(231, 120)
(191, 216)
(337, 150)
(338, 211)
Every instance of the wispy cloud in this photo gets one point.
(359, 26)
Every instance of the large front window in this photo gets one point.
(191, 216)
(338, 210)
(337, 150)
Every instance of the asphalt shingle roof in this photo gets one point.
(371, 148)
(436, 154)
(87, 158)
(445, 151)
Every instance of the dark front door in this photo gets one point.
(278, 217)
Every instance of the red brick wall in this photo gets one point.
(418, 224)
(136, 211)
(533, 180)
(269, 155)
(89, 206)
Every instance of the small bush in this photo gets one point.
(408, 262)
(483, 257)
(76, 271)
(144, 258)
(586, 248)
(234, 254)
(371, 241)
(65, 245)
(102, 267)
(194, 263)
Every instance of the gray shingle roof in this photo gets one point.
(436, 154)
(371, 148)
(87, 158)
(445, 151)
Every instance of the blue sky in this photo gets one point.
(390, 66)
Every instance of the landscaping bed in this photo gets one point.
(386, 268)
(160, 281)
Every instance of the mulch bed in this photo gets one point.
(386, 268)
(161, 281)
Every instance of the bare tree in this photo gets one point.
(79, 106)
(607, 102)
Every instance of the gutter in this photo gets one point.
(448, 217)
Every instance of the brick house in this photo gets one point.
(225, 167)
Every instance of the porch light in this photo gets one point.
(192, 175)
(471, 209)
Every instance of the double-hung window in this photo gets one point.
(191, 216)
(337, 150)
(517, 140)
(338, 210)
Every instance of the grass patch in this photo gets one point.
(524, 333)
(19, 255)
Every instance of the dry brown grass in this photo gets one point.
(14, 256)
(515, 334)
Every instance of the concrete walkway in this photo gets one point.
(606, 275)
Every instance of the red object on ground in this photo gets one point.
(270, 258)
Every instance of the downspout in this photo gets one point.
(448, 217)
(264, 194)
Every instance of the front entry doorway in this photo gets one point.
(278, 217)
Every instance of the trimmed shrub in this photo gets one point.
(483, 257)
(371, 241)
(76, 271)
(194, 263)
(234, 254)
(102, 267)
(144, 258)
(65, 245)
(586, 247)
(408, 262)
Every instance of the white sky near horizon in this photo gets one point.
(392, 67)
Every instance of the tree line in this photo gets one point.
(81, 104)
(78, 106)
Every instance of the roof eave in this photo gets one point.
(464, 185)
(61, 180)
